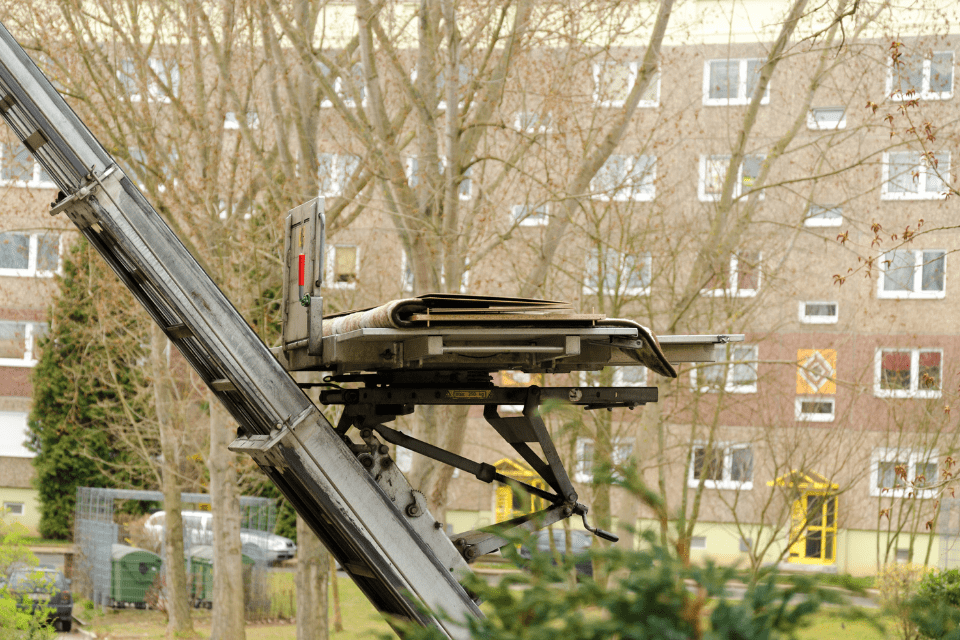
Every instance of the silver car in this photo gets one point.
(198, 529)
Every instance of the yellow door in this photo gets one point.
(813, 531)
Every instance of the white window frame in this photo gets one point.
(30, 331)
(622, 451)
(411, 168)
(630, 187)
(643, 262)
(914, 391)
(923, 171)
(633, 68)
(155, 92)
(708, 162)
(528, 215)
(532, 122)
(729, 384)
(815, 216)
(339, 176)
(733, 289)
(31, 271)
(14, 509)
(331, 267)
(36, 180)
(406, 277)
(742, 97)
(911, 458)
(231, 122)
(620, 378)
(918, 262)
(725, 482)
(17, 419)
(810, 319)
(816, 124)
(925, 93)
(803, 416)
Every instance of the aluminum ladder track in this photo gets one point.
(282, 429)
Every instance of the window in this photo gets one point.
(819, 312)
(407, 277)
(907, 273)
(415, 174)
(13, 435)
(908, 175)
(18, 342)
(613, 82)
(721, 466)
(346, 89)
(624, 178)
(825, 118)
(583, 469)
(908, 373)
(630, 377)
(903, 473)
(335, 170)
(533, 122)
(738, 278)
(730, 82)
(230, 120)
(713, 170)
(29, 254)
(823, 216)
(698, 542)
(925, 77)
(343, 264)
(527, 215)
(735, 373)
(13, 508)
(162, 80)
(815, 409)
(618, 273)
(18, 168)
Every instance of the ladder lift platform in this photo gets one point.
(344, 484)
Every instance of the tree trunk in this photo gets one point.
(178, 609)
(313, 567)
(335, 588)
(228, 620)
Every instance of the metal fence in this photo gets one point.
(97, 531)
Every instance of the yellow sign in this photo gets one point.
(463, 394)
(816, 371)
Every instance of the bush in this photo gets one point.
(935, 611)
(652, 594)
(899, 585)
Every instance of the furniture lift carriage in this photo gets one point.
(384, 362)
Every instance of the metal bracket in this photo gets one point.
(84, 192)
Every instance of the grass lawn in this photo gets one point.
(360, 619)
(828, 625)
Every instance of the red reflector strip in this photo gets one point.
(303, 267)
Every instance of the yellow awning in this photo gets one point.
(805, 480)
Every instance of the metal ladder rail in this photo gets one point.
(286, 434)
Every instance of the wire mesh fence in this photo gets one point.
(109, 570)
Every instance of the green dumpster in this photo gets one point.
(132, 573)
(199, 560)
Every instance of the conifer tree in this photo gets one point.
(75, 395)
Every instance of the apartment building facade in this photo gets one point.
(805, 444)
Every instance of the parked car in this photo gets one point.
(580, 542)
(36, 587)
(198, 529)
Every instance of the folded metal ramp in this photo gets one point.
(283, 430)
